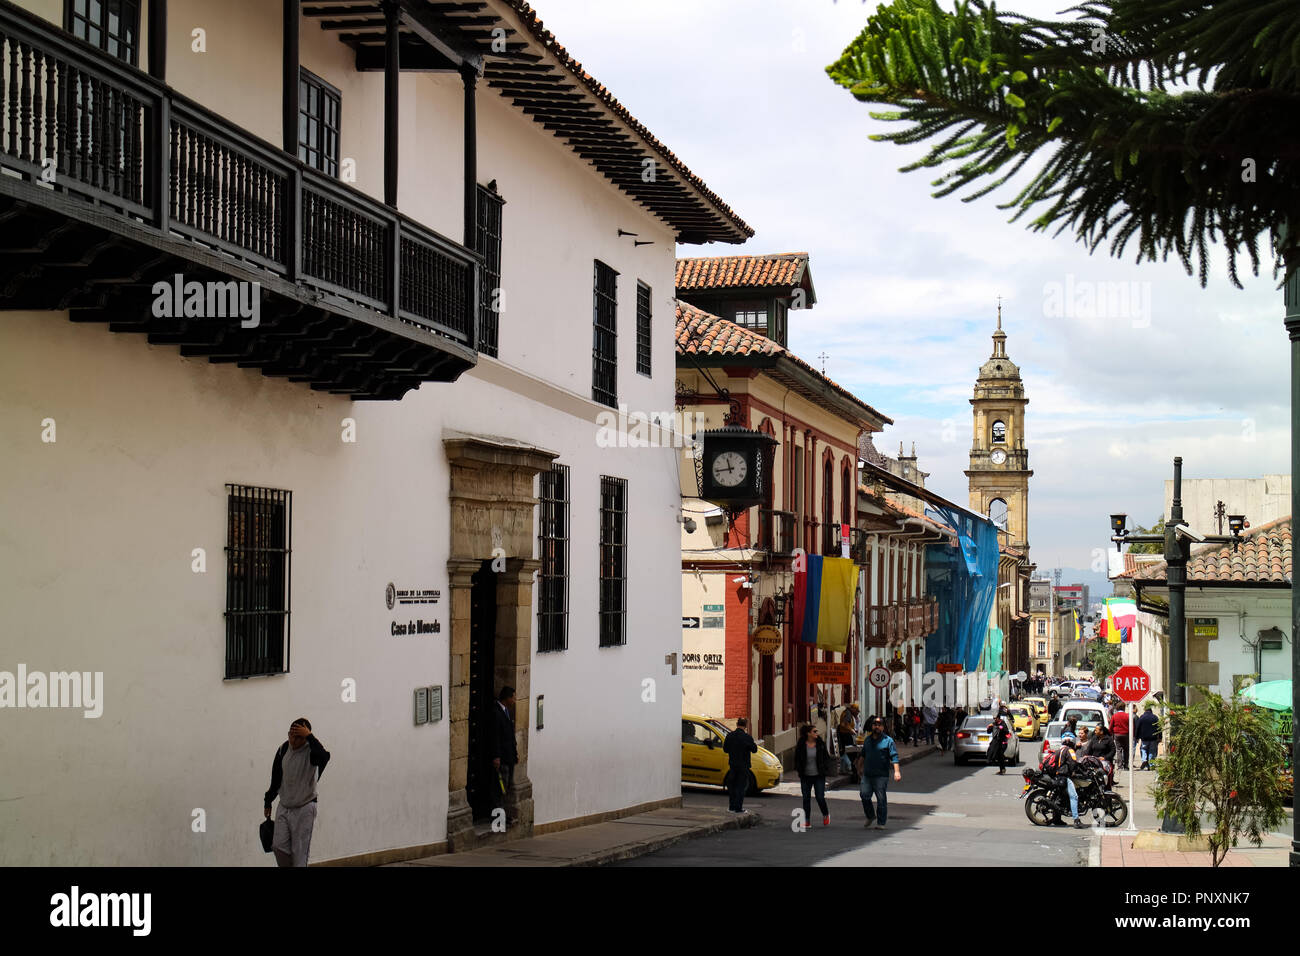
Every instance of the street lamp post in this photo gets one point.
(1177, 551)
(1291, 296)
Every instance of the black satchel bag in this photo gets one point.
(267, 832)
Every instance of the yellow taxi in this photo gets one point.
(704, 762)
(1024, 717)
(1040, 706)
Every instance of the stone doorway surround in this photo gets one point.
(492, 507)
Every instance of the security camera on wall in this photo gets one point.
(1187, 532)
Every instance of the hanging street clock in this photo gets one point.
(734, 475)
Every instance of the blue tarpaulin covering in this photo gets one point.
(965, 581)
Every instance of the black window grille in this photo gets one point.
(489, 246)
(613, 561)
(258, 546)
(319, 106)
(553, 548)
(604, 347)
(111, 25)
(642, 328)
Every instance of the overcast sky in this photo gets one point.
(907, 284)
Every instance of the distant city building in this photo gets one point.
(1261, 500)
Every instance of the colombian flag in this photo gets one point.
(823, 602)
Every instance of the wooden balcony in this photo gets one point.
(111, 182)
(776, 532)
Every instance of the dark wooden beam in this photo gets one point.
(158, 40)
(415, 59)
(392, 73)
(290, 74)
(435, 32)
(470, 77)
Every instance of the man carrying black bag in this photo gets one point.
(738, 745)
(298, 764)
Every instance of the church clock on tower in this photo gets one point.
(999, 461)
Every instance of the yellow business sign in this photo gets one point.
(1207, 627)
(766, 639)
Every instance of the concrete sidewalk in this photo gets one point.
(600, 843)
(1148, 846)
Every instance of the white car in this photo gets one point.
(1089, 712)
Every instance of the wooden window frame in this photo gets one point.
(613, 561)
(72, 18)
(604, 341)
(644, 318)
(491, 220)
(327, 161)
(259, 550)
(554, 505)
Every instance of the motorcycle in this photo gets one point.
(1047, 800)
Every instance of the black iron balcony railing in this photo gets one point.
(776, 534)
(92, 128)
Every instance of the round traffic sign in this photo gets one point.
(879, 677)
(1131, 684)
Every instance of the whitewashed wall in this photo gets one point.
(95, 553)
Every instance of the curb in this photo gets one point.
(633, 850)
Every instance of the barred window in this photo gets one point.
(111, 25)
(489, 246)
(604, 346)
(642, 328)
(319, 105)
(553, 548)
(257, 581)
(613, 561)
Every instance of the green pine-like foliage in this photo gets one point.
(1148, 116)
(1226, 762)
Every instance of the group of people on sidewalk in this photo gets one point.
(813, 764)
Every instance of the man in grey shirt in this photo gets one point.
(298, 764)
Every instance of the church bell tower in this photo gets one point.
(999, 461)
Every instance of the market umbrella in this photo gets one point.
(1272, 694)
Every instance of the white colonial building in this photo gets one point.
(373, 490)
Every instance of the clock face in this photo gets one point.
(729, 469)
(998, 456)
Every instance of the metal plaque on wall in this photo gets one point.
(421, 705)
(435, 703)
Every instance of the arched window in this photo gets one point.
(828, 503)
(999, 433)
(998, 513)
(846, 492)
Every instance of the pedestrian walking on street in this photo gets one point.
(846, 732)
(1119, 730)
(878, 755)
(999, 734)
(738, 746)
(930, 718)
(1147, 729)
(1053, 706)
(298, 764)
(944, 727)
(813, 762)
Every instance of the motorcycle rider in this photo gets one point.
(1063, 768)
(1102, 746)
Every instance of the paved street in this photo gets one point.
(939, 814)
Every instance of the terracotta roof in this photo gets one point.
(782, 271)
(1263, 557)
(701, 333)
(702, 217)
(868, 451)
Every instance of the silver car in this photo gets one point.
(973, 737)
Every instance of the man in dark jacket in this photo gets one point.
(502, 747)
(1147, 729)
(999, 734)
(738, 746)
(298, 764)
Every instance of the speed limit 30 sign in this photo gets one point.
(879, 677)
